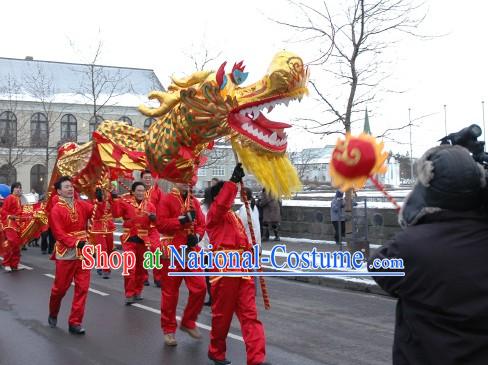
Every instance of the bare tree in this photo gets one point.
(14, 130)
(100, 85)
(40, 86)
(302, 162)
(352, 44)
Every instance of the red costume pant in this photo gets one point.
(170, 290)
(236, 295)
(66, 272)
(134, 282)
(106, 242)
(157, 273)
(12, 253)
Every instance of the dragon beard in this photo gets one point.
(274, 172)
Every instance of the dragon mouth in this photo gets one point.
(249, 121)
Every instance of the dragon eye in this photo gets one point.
(239, 77)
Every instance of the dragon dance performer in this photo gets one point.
(140, 233)
(154, 195)
(102, 232)
(12, 220)
(232, 294)
(68, 220)
(181, 221)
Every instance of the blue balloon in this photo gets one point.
(4, 190)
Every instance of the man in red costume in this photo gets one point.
(12, 222)
(232, 294)
(139, 234)
(154, 195)
(182, 222)
(102, 233)
(68, 220)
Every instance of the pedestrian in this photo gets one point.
(442, 307)
(271, 215)
(154, 194)
(12, 226)
(214, 181)
(242, 212)
(337, 217)
(102, 233)
(68, 220)
(204, 243)
(181, 222)
(139, 216)
(232, 294)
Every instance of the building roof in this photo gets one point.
(70, 82)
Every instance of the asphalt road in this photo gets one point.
(307, 325)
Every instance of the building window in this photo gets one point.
(8, 175)
(202, 172)
(148, 122)
(94, 123)
(8, 129)
(126, 120)
(218, 171)
(39, 135)
(38, 178)
(69, 128)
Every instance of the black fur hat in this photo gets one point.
(448, 179)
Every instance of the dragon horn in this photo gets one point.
(166, 100)
(194, 78)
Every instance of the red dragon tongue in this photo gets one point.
(265, 123)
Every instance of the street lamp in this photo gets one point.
(445, 118)
(411, 157)
(483, 113)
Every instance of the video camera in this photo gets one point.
(468, 138)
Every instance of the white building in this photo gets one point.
(44, 104)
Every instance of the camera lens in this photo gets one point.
(475, 130)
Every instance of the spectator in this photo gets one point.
(337, 217)
(242, 212)
(214, 181)
(442, 308)
(207, 199)
(271, 215)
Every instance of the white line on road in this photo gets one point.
(22, 266)
(200, 325)
(90, 289)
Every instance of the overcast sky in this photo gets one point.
(159, 35)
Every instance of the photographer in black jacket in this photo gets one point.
(442, 309)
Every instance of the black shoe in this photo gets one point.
(208, 303)
(99, 272)
(157, 283)
(106, 275)
(138, 297)
(220, 362)
(24, 248)
(44, 252)
(130, 300)
(277, 238)
(146, 283)
(53, 321)
(76, 330)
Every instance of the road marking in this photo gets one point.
(22, 266)
(200, 325)
(89, 289)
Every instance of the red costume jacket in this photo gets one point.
(224, 228)
(69, 224)
(154, 194)
(169, 209)
(136, 219)
(105, 223)
(12, 207)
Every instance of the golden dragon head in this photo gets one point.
(209, 105)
